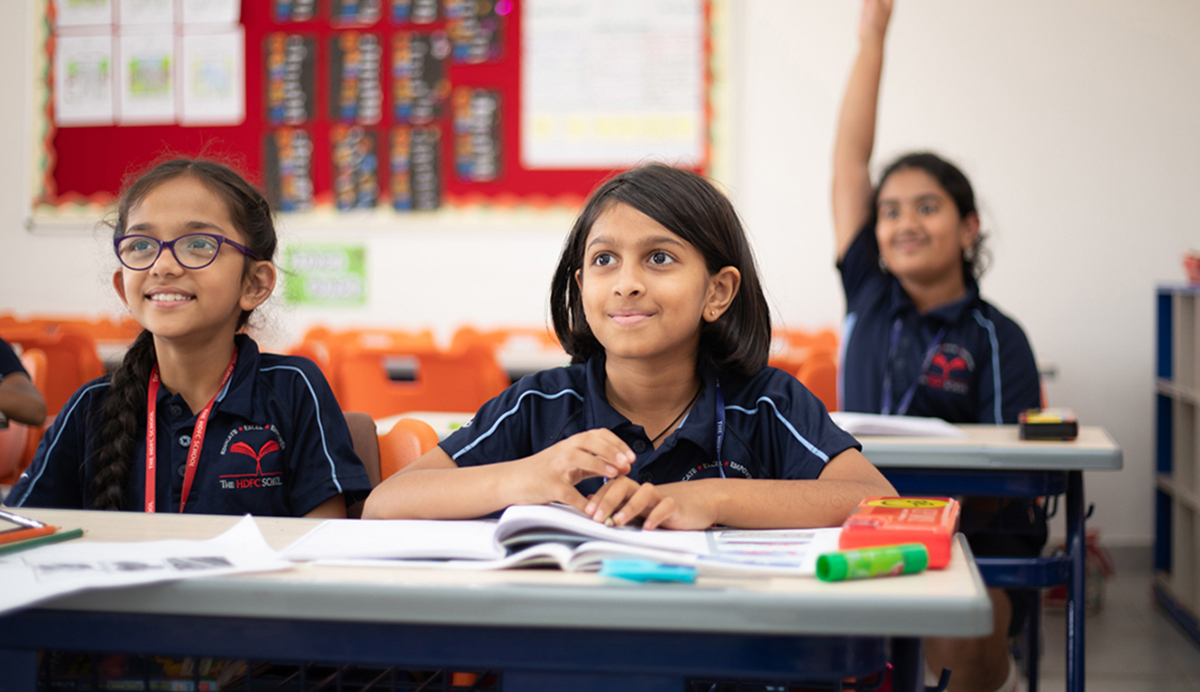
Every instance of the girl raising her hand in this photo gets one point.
(196, 419)
(668, 413)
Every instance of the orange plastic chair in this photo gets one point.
(790, 349)
(70, 356)
(455, 380)
(326, 348)
(819, 375)
(408, 439)
(520, 350)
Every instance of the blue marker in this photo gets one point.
(646, 570)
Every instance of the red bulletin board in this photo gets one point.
(88, 164)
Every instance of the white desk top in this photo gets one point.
(997, 447)
(949, 602)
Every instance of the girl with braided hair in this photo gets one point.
(195, 418)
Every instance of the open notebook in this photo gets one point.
(556, 535)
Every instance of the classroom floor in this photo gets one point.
(1131, 644)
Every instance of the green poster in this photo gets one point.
(325, 275)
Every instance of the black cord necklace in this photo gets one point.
(685, 410)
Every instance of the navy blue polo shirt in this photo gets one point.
(276, 445)
(775, 428)
(965, 362)
(9, 362)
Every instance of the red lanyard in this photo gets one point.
(193, 458)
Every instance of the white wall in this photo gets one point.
(1071, 118)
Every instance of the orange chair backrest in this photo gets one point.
(457, 380)
(71, 359)
(819, 374)
(408, 439)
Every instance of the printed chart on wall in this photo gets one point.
(383, 107)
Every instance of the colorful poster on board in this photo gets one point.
(355, 12)
(325, 275)
(477, 149)
(420, 84)
(288, 162)
(415, 11)
(355, 94)
(475, 28)
(289, 84)
(354, 152)
(416, 168)
(286, 11)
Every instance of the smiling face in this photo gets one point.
(170, 300)
(921, 234)
(645, 290)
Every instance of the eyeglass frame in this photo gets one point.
(220, 239)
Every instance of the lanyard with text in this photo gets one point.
(902, 408)
(720, 413)
(193, 458)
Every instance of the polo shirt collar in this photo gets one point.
(698, 426)
(597, 411)
(952, 313)
(238, 396)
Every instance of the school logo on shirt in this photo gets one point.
(950, 369)
(250, 456)
(732, 470)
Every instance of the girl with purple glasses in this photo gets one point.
(196, 419)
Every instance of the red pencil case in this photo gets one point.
(877, 521)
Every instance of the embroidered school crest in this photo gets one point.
(950, 369)
(251, 458)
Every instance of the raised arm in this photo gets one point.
(856, 128)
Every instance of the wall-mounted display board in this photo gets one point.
(395, 105)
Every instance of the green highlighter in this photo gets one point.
(883, 561)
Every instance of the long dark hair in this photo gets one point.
(124, 409)
(955, 183)
(690, 207)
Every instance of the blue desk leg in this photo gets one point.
(19, 670)
(1033, 639)
(1076, 518)
(526, 681)
(908, 664)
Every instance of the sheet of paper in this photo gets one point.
(214, 76)
(611, 84)
(875, 424)
(785, 550)
(211, 11)
(83, 80)
(55, 570)
(350, 538)
(147, 89)
(83, 12)
(159, 12)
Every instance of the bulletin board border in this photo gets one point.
(72, 213)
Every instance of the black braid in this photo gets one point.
(121, 417)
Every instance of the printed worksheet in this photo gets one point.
(39, 574)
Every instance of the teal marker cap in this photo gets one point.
(883, 561)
